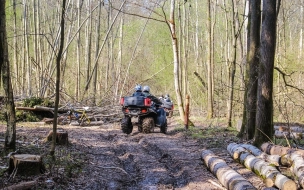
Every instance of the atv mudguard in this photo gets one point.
(161, 117)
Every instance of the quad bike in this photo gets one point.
(168, 107)
(148, 113)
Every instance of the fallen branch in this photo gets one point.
(22, 186)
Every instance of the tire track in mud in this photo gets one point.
(162, 162)
(142, 161)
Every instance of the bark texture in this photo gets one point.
(10, 135)
(252, 66)
(264, 121)
(260, 167)
(227, 176)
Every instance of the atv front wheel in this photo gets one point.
(148, 125)
(126, 125)
(164, 127)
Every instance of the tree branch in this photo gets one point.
(285, 82)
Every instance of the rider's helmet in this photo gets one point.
(137, 88)
(167, 96)
(146, 89)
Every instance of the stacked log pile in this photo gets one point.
(294, 156)
(227, 176)
(267, 163)
(291, 132)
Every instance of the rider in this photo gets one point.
(146, 92)
(167, 98)
(138, 91)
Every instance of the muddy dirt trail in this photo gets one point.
(113, 160)
(142, 161)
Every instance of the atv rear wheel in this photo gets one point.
(164, 127)
(140, 122)
(148, 125)
(126, 125)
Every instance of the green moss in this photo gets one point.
(26, 116)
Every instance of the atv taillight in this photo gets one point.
(147, 102)
(144, 111)
(122, 101)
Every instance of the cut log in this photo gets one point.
(227, 176)
(61, 137)
(298, 167)
(279, 150)
(22, 186)
(291, 128)
(25, 108)
(25, 164)
(262, 168)
(292, 155)
(272, 159)
(289, 135)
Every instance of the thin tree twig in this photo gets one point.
(265, 135)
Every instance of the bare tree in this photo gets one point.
(58, 61)
(171, 23)
(264, 120)
(209, 64)
(252, 66)
(10, 135)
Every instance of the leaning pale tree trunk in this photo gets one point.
(264, 122)
(97, 39)
(16, 65)
(119, 57)
(77, 86)
(27, 65)
(209, 65)
(58, 61)
(10, 135)
(232, 66)
(171, 23)
(88, 40)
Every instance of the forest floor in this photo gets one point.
(102, 157)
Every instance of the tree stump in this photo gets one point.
(61, 137)
(25, 164)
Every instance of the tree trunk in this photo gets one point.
(209, 65)
(226, 175)
(97, 39)
(232, 67)
(10, 135)
(264, 122)
(171, 23)
(252, 67)
(58, 61)
(77, 86)
(17, 82)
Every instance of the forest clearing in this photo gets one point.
(230, 69)
(102, 157)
